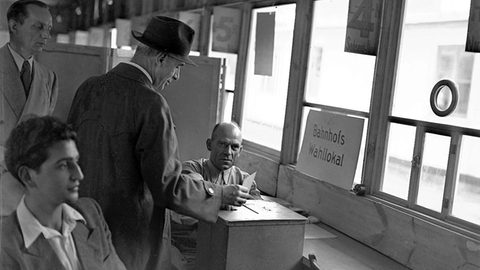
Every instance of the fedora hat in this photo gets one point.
(169, 36)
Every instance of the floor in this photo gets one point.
(336, 251)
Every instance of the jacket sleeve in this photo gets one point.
(113, 262)
(157, 152)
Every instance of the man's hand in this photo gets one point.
(235, 195)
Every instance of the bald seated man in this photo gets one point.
(225, 146)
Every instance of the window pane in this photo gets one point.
(466, 203)
(433, 48)
(228, 103)
(396, 179)
(432, 175)
(266, 85)
(231, 64)
(329, 65)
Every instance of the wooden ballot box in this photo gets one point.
(266, 236)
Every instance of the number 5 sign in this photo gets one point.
(363, 26)
(226, 29)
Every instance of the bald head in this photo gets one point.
(225, 145)
(226, 127)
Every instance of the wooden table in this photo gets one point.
(272, 237)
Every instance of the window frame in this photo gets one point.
(379, 117)
(377, 134)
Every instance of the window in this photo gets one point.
(454, 63)
(467, 182)
(337, 81)
(266, 79)
(430, 160)
(229, 83)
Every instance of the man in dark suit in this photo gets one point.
(129, 149)
(26, 86)
(52, 228)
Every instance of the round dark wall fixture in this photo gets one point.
(444, 97)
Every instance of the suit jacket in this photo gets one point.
(14, 107)
(129, 156)
(92, 242)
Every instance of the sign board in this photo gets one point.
(330, 148)
(264, 43)
(124, 28)
(226, 29)
(63, 38)
(97, 35)
(81, 37)
(193, 20)
(473, 32)
(363, 26)
(139, 24)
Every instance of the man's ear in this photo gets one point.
(12, 26)
(209, 144)
(25, 176)
(161, 58)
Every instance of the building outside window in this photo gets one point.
(430, 161)
(268, 65)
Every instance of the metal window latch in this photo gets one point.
(416, 161)
(359, 189)
(446, 203)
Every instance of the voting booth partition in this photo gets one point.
(73, 64)
(195, 100)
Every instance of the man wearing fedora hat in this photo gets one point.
(129, 149)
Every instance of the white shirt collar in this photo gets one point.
(19, 59)
(31, 227)
(142, 70)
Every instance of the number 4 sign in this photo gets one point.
(363, 26)
(473, 33)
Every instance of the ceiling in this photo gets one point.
(48, 2)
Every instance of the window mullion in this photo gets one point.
(416, 166)
(384, 83)
(452, 168)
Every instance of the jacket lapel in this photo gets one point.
(40, 255)
(87, 243)
(12, 88)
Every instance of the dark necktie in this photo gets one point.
(26, 76)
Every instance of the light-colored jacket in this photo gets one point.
(14, 107)
(92, 241)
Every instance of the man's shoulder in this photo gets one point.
(195, 163)
(4, 50)
(6, 58)
(41, 69)
(8, 220)
(10, 228)
(238, 170)
(89, 209)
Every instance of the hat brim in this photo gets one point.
(139, 36)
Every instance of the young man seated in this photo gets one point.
(225, 146)
(52, 228)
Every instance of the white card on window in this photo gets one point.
(249, 181)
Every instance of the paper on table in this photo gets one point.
(249, 181)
